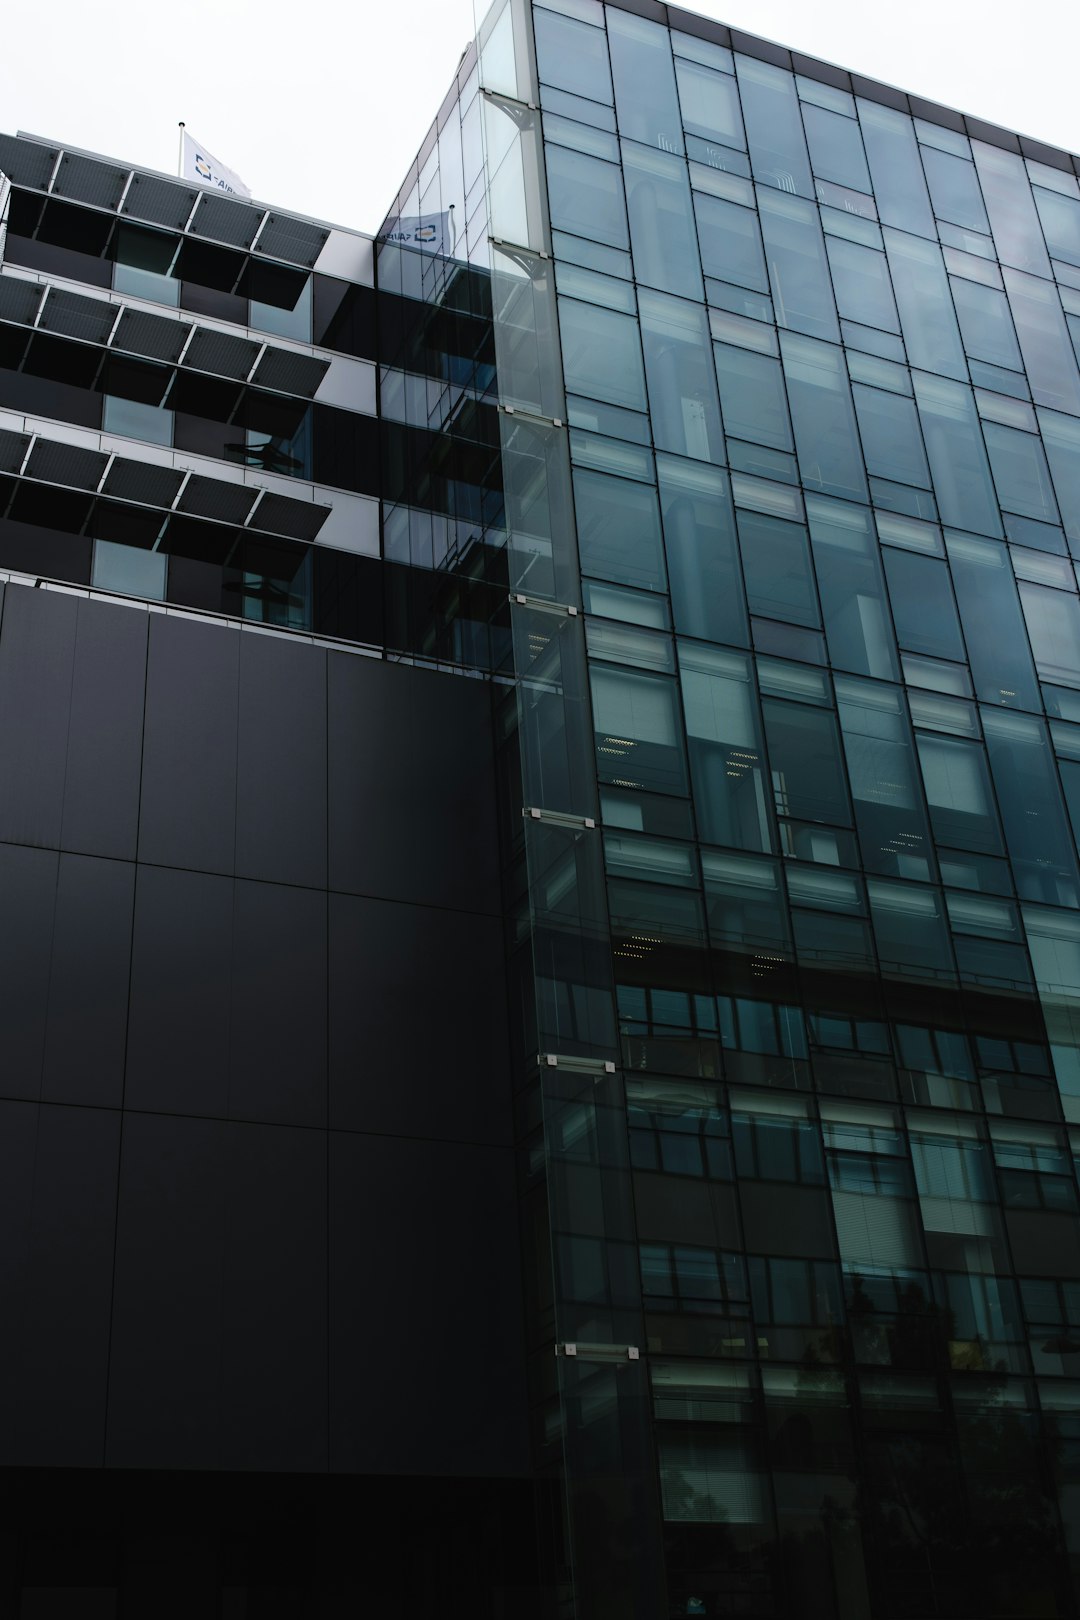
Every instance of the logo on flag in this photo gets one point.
(434, 233)
(206, 170)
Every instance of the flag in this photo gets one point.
(201, 166)
(432, 233)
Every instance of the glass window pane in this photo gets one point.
(1033, 812)
(602, 354)
(985, 322)
(798, 272)
(830, 458)
(777, 569)
(957, 455)
(805, 762)
(1011, 207)
(1061, 437)
(892, 442)
(954, 190)
(682, 383)
(1020, 472)
(645, 95)
(848, 565)
(710, 104)
(993, 624)
(129, 569)
(836, 149)
(585, 195)
(923, 606)
(926, 311)
(1049, 359)
(893, 155)
(752, 399)
(863, 287)
(702, 558)
(730, 241)
(638, 734)
(957, 781)
(618, 526)
(1060, 218)
(572, 56)
(773, 126)
(662, 232)
(885, 785)
(1053, 621)
(725, 747)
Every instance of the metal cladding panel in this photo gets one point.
(299, 520)
(290, 373)
(294, 240)
(12, 450)
(69, 464)
(143, 481)
(81, 179)
(91, 319)
(19, 300)
(224, 221)
(214, 498)
(150, 335)
(161, 202)
(221, 353)
(26, 163)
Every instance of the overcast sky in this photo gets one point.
(321, 107)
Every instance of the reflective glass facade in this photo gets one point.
(791, 536)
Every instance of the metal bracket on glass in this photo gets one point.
(517, 600)
(599, 1352)
(558, 818)
(598, 1067)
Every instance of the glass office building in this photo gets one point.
(729, 462)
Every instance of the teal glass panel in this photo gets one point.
(571, 56)
(852, 591)
(886, 789)
(891, 439)
(752, 399)
(1013, 220)
(911, 932)
(1061, 438)
(954, 190)
(830, 458)
(1044, 342)
(893, 155)
(805, 762)
(730, 241)
(923, 606)
(639, 740)
(602, 354)
(957, 455)
(1053, 622)
(1037, 829)
(798, 271)
(1020, 472)
(985, 323)
(993, 623)
(645, 96)
(863, 287)
(1060, 217)
(836, 148)
(662, 234)
(682, 383)
(710, 104)
(585, 196)
(777, 569)
(702, 559)
(618, 526)
(957, 782)
(926, 312)
(129, 570)
(726, 759)
(773, 127)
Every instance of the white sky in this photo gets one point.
(321, 107)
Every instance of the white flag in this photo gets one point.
(433, 233)
(203, 167)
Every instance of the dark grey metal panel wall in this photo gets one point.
(197, 1271)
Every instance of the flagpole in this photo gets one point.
(180, 154)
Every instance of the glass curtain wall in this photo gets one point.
(808, 645)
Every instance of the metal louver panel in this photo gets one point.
(84, 180)
(74, 316)
(26, 163)
(161, 202)
(298, 520)
(12, 450)
(19, 300)
(293, 240)
(213, 498)
(70, 464)
(139, 333)
(221, 353)
(142, 481)
(225, 221)
(290, 373)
